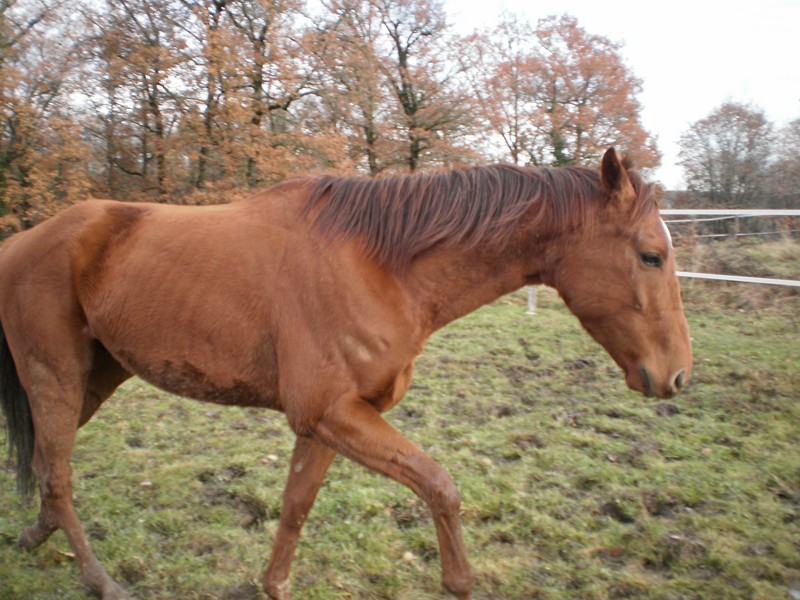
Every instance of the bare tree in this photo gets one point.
(499, 65)
(725, 156)
(209, 37)
(136, 80)
(273, 74)
(783, 185)
(389, 85)
(351, 92)
(422, 79)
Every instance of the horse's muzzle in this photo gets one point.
(674, 384)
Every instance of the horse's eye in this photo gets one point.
(651, 259)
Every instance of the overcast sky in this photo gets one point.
(692, 55)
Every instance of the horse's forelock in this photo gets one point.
(646, 194)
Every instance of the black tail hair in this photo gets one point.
(19, 421)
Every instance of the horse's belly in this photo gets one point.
(192, 354)
(210, 384)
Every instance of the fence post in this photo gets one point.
(531, 299)
(735, 227)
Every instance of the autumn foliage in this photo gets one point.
(202, 100)
(555, 94)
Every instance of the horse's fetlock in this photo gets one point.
(459, 586)
(277, 590)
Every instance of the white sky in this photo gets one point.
(692, 55)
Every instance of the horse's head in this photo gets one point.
(619, 279)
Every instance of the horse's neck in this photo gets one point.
(450, 283)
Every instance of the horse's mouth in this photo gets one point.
(647, 385)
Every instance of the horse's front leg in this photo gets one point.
(357, 430)
(310, 462)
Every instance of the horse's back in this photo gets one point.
(97, 244)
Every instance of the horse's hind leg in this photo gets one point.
(310, 462)
(56, 383)
(105, 376)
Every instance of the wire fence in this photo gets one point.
(786, 219)
(711, 223)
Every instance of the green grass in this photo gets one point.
(572, 486)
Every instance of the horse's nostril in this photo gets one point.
(679, 380)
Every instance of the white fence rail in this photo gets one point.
(733, 212)
(741, 279)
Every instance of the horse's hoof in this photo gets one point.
(24, 544)
(115, 592)
(278, 591)
(30, 539)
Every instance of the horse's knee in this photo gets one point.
(443, 495)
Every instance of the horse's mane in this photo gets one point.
(401, 216)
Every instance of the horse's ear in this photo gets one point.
(615, 180)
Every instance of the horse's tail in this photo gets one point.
(19, 421)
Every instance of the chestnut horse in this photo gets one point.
(313, 299)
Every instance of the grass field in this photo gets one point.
(573, 487)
